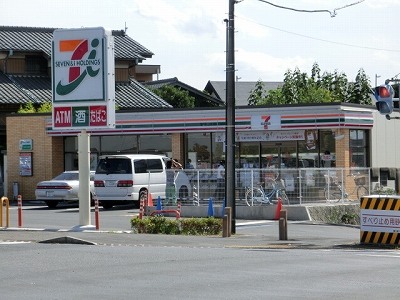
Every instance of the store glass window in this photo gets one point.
(327, 149)
(307, 157)
(249, 155)
(115, 144)
(160, 144)
(71, 152)
(218, 151)
(358, 148)
(199, 150)
(71, 144)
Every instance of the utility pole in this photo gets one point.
(376, 79)
(230, 117)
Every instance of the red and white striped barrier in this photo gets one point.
(19, 211)
(141, 209)
(96, 213)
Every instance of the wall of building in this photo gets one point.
(47, 154)
(121, 75)
(385, 141)
(342, 150)
(48, 157)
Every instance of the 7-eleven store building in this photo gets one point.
(293, 136)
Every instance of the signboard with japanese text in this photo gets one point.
(25, 164)
(264, 136)
(83, 81)
(380, 220)
(81, 116)
(25, 144)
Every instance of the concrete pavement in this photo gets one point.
(249, 234)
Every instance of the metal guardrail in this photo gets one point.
(302, 186)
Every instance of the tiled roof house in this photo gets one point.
(202, 99)
(25, 60)
(25, 70)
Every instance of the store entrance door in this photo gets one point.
(279, 155)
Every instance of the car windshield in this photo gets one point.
(114, 166)
(67, 176)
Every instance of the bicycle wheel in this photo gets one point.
(254, 196)
(333, 193)
(282, 194)
(362, 191)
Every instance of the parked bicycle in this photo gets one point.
(257, 195)
(334, 191)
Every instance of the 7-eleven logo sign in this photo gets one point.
(266, 121)
(78, 65)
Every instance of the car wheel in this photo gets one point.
(107, 204)
(51, 204)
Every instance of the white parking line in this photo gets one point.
(255, 223)
(12, 242)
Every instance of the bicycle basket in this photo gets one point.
(360, 180)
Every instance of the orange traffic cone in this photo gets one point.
(149, 200)
(278, 209)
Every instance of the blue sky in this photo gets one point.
(188, 37)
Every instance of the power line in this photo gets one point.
(332, 13)
(317, 39)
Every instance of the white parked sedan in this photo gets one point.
(63, 188)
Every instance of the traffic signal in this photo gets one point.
(384, 99)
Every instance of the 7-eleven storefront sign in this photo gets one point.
(83, 82)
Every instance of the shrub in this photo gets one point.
(349, 218)
(202, 226)
(339, 217)
(192, 226)
(381, 190)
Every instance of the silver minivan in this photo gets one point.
(126, 178)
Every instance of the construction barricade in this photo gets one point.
(380, 220)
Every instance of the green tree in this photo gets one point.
(27, 108)
(299, 88)
(45, 107)
(258, 94)
(30, 108)
(175, 96)
(360, 89)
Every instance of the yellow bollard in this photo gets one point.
(7, 211)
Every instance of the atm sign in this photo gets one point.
(80, 116)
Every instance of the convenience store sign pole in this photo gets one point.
(83, 93)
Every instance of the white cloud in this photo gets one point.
(183, 21)
(382, 3)
(254, 65)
